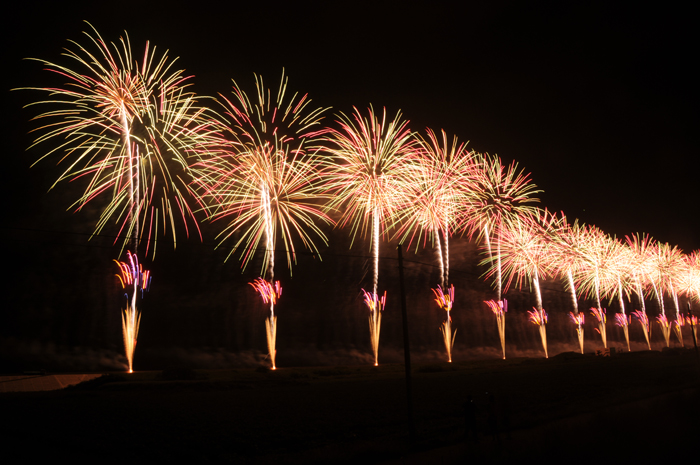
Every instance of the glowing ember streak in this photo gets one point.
(135, 280)
(644, 321)
(599, 314)
(123, 126)
(499, 309)
(270, 294)
(665, 328)
(445, 302)
(376, 307)
(539, 317)
(579, 319)
(623, 321)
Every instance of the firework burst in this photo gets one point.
(369, 157)
(502, 197)
(129, 129)
(369, 173)
(442, 181)
(266, 180)
(641, 268)
(500, 309)
(667, 262)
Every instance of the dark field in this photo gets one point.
(640, 406)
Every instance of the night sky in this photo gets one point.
(598, 102)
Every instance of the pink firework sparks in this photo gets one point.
(269, 292)
(445, 301)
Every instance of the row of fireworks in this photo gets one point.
(274, 173)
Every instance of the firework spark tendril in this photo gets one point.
(376, 307)
(500, 309)
(134, 280)
(445, 302)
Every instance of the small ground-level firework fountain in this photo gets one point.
(623, 321)
(134, 280)
(665, 328)
(578, 319)
(499, 309)
(599, 314)
(693, 323)
(270, 293)
(646, 327)
(376, 307)
(678, 327)
(445, 302)
(539, 317)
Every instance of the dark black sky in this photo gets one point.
(599, 102)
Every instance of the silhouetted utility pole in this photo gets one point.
(406, 351)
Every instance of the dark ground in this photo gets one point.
(637, 407)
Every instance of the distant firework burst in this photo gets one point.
(134, 280)
(443, 178)
(445, 302)
(376, 307)
(500, 309)
(502, 197)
